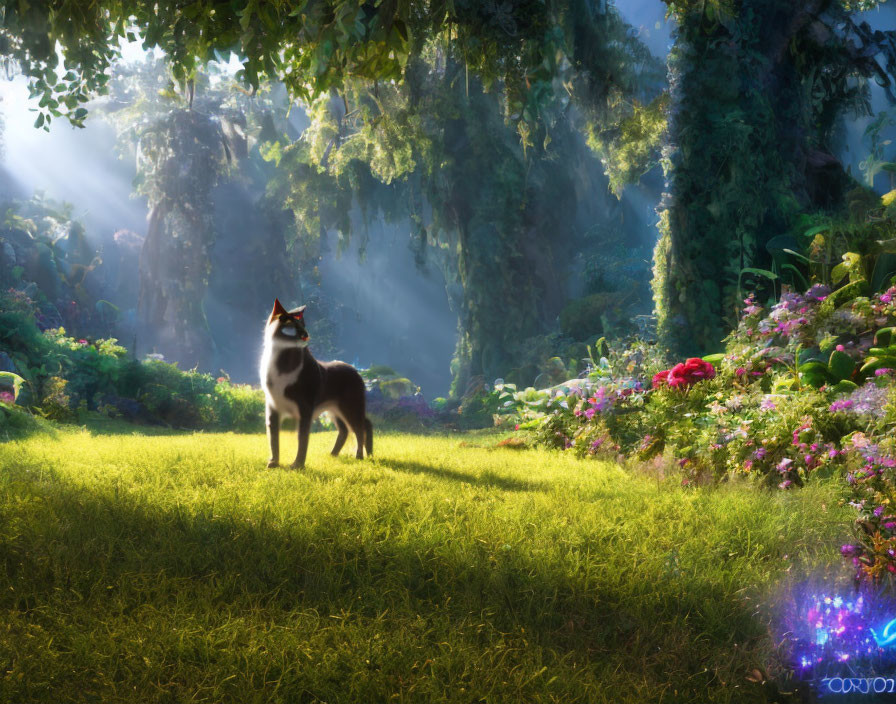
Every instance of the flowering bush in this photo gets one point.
(805, 387)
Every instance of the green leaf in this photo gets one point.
(844, 386)
(39, 122)
(874, 363)
(714, 359)
(759, 272)
(810, 233)
(884, 337)
(814, 378)
(841, 365)
(797, 255)
(813, 367)
(839, 272)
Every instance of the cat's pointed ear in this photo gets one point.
(278, 310)
(298, 312)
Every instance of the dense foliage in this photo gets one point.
(64, 377)
(198, 167)
(806, 386)
(313, 47)
(758, 88)
(501, 217)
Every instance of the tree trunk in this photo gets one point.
(740, 134)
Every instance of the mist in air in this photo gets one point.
(373, 298)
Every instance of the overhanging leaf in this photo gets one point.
(841, 365)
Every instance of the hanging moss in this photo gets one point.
(757, 88)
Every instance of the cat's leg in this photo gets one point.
(304, 433)
(272, 420)
(368, 436)
(358, 429)
(340, 439)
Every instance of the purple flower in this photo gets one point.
(7, 397)
(767, 405)
(849, 550)
(843, 404)
(818, 292)
(882, 372)
(869, 400)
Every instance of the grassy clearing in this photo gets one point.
(175, 568)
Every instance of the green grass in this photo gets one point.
(173, 568)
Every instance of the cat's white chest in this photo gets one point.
(275, 383)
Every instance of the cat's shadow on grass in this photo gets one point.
(485, 479)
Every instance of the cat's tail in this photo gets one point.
(368, 437)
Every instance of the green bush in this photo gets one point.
(63, 376)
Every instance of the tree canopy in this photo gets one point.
(65, 49)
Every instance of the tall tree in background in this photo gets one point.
(183, 149)
(534, 55)
(757, 90)
(499, 215)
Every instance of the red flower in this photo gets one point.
(685, 374)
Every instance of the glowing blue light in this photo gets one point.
(889, 635)
(821, 636)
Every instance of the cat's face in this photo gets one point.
(288, 325)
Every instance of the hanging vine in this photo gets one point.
(757, 90)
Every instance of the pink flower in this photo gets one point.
(7, 397)
(82, 342)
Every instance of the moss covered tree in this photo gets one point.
(757, 90)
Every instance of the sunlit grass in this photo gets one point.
(175, 568)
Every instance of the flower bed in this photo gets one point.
(806, 387)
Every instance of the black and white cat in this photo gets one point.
(296, 384)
